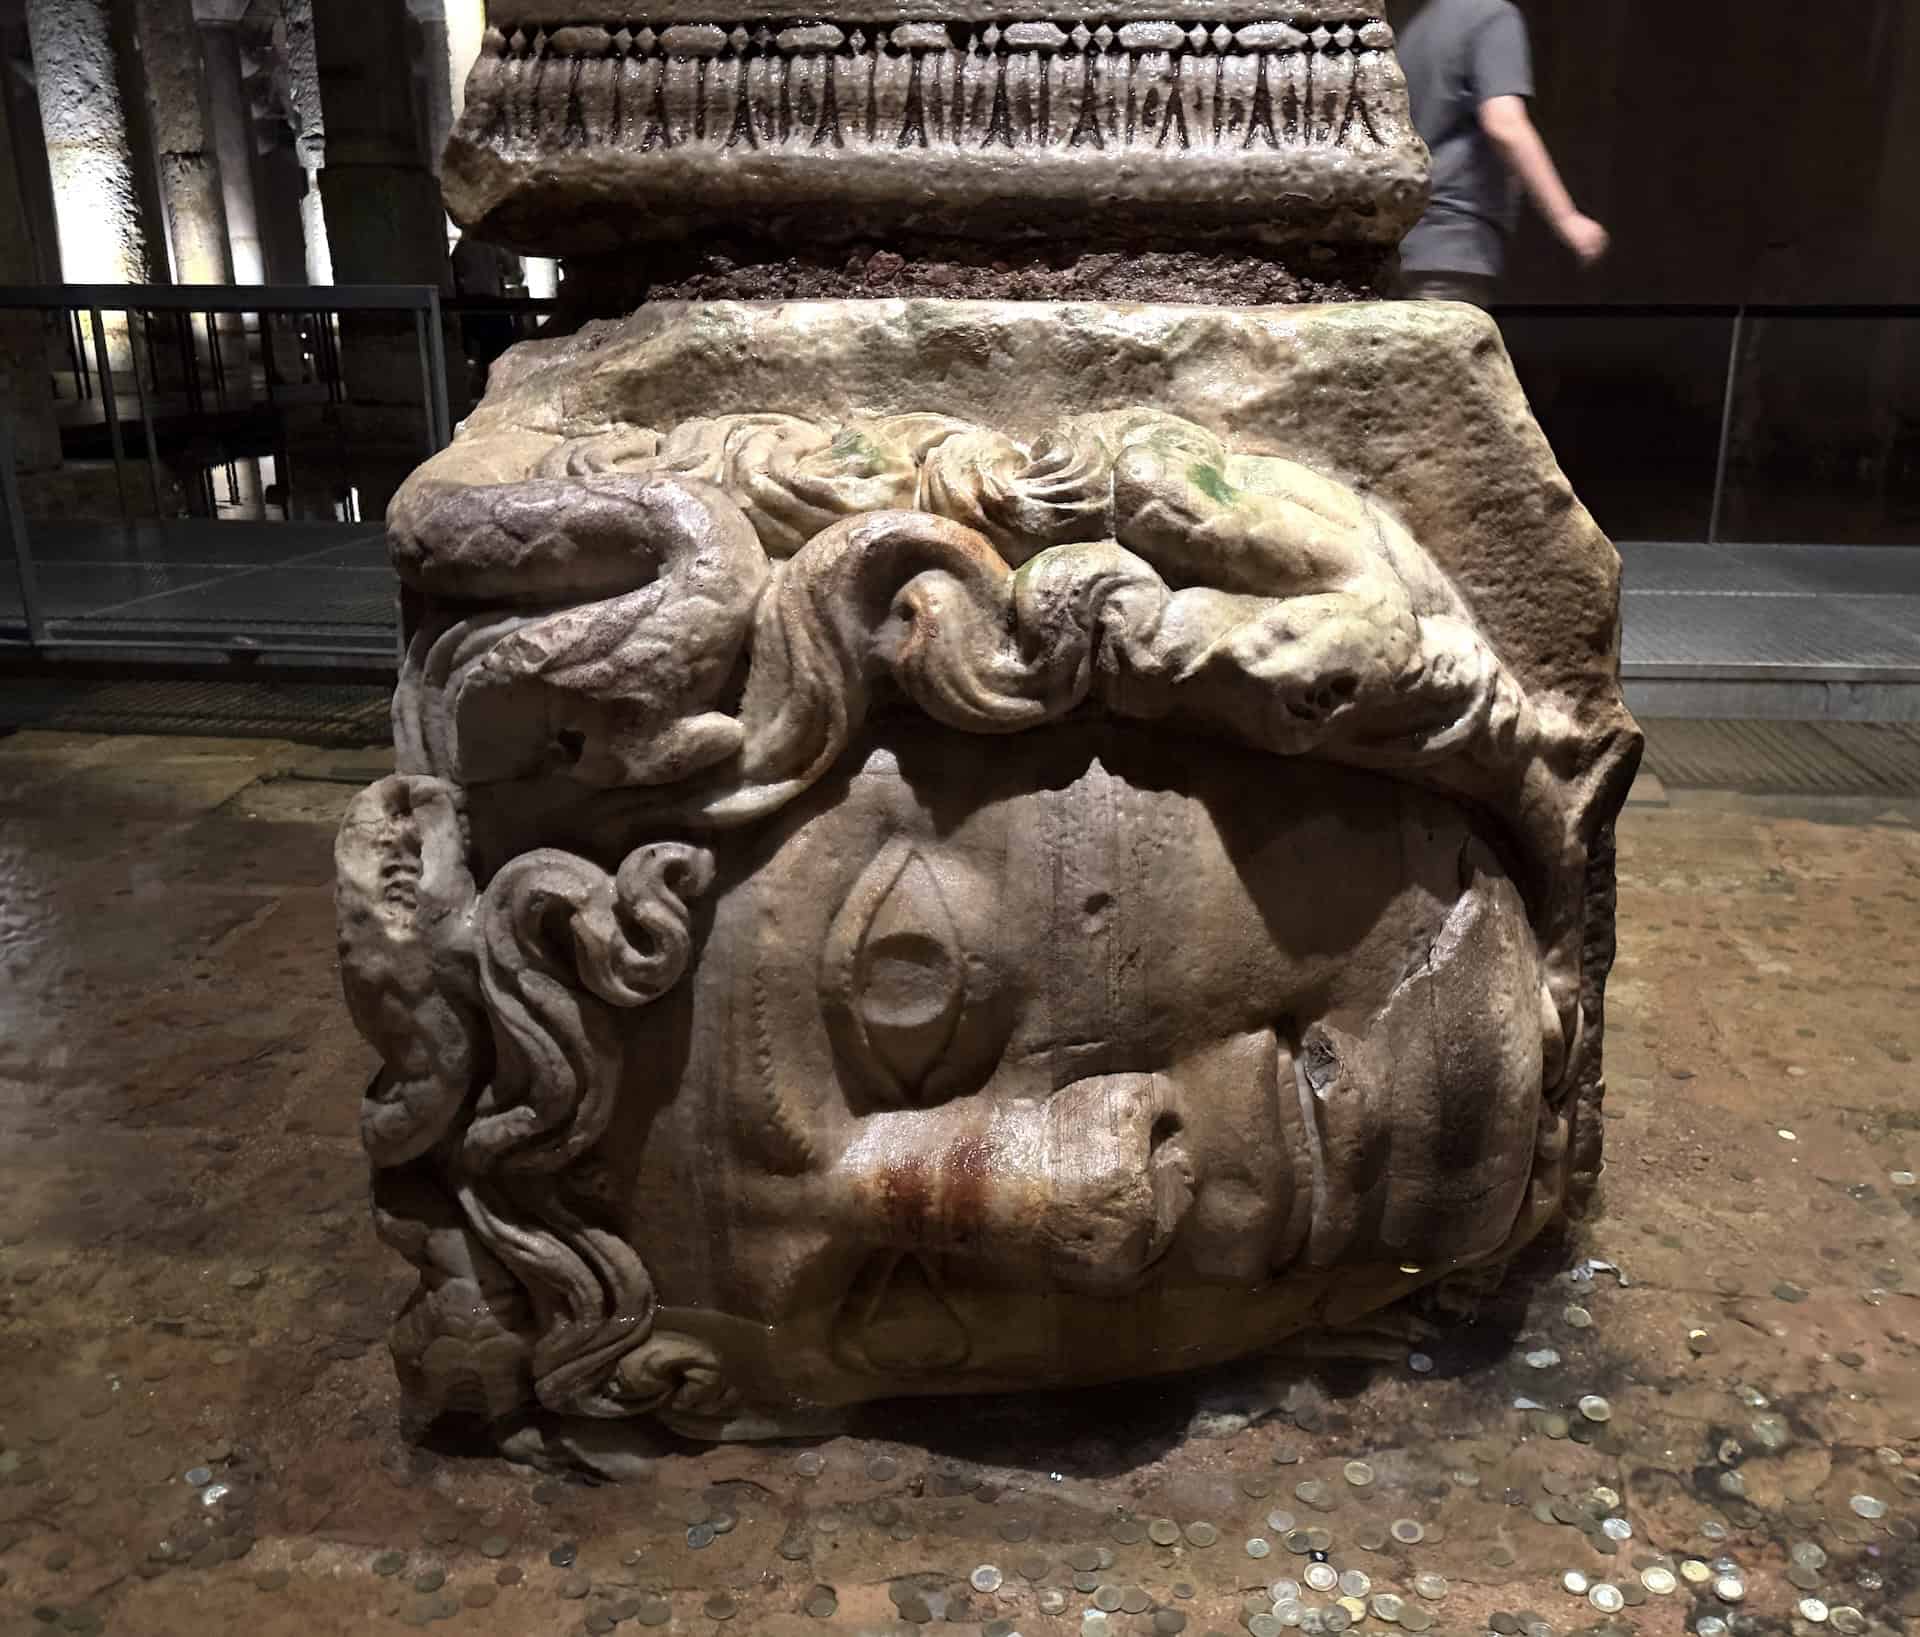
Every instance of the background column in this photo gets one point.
(104, 225)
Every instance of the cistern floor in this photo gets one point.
(1718, 1375)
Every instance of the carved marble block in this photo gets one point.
(946, 846)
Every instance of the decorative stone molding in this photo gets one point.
(1269, 129)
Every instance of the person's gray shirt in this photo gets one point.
(1459, 54)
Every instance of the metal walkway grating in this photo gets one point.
(1770, 613)
(1786, 758)
(316, 713)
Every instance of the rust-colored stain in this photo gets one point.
(967, 1170)
(906, 1196)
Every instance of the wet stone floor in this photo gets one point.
(1698, 1411)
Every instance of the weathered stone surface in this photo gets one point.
(949, 845)
(1005, 126)
(1415, 404)
(105, 237)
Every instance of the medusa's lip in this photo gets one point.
(1090, 1185)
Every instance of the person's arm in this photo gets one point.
(1510, 128)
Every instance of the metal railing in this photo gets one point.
(246, 384)
(200, 382)
(1742, 322)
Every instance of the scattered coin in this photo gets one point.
(1868, 1506)
(1255, 1487)
(1847, 1620)
(1616, 1529)
(1128, 1531)
(1280, 1521)
(1202, 1534)
(1415, 1619)
(654, 1611)
(1659, 1580)
(1421, 1364)
(1358, 1473)
(430, 1579)
(1389, 1607)
(1694, 1572)
(701, 1536)
(1408, 1531)
(986, 1578)
(1355, 1582)
(720, 1607)
(1106, 1598)
(1258, 1547)
(1134, 1600)
(1322, 1577)
(1015, 1530)
(1811, 1608)
(809, 1463)
(1163, 1531)
(1052, 1600)
(480, 1597)
(1596, 1408)
(1431, 1586)
(1575, 1582)
(1606, 1597)
(1729, 1588)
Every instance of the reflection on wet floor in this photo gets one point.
(1700, 1411)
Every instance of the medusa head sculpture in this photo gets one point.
(878, 905)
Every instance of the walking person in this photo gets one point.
(1469, 73)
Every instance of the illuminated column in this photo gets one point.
(303, 90)
(385, 221)
(103, 230)
(182, 125)
(466, 26)
(25, 381)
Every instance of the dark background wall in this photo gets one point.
(1739, 151)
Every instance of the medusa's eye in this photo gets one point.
(903, 993)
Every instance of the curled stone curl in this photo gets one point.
(544, 961)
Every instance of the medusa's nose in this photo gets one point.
(1089, 1185)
